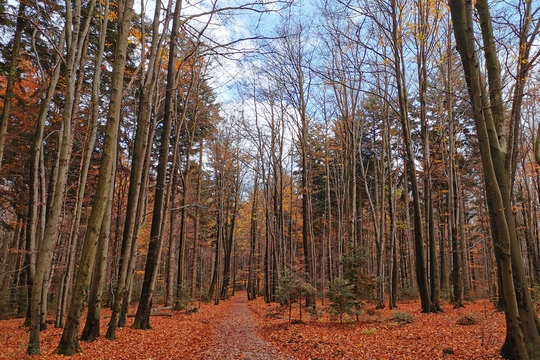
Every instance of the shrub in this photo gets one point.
(369, 331)
(183, 298)
(403, 317)
(408, 293)
(469, 319)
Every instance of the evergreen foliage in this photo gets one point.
(363, 284)
(342, 296)
(294, 288)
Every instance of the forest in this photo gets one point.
(335, 152)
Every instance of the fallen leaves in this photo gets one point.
(180, 336)
(237, 337)
(379, 335)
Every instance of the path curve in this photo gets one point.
(237, 337)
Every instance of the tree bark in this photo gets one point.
(93, 316)
(142, 317)
(12, 76)
(522, 338)
(74, 40)
(69, 344)
(421, 274)
(137, 184)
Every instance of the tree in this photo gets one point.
(84, 168)
(69, 344)
(293, 288)
(392, 29)
(75, 32)
(522, 336)
(342, 297)
(142, 317)
(11, 76)
(136, 191)
(295, 72)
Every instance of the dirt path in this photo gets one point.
(237, 338)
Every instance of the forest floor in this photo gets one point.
(238, 329)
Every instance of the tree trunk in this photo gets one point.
(172, 194)
(421, 275)
(253, 230)
(69, 343)
(452, 198)
(196, 224)
(423, 36)
(522, 338)
(12, 76)
(137, 183)
(35, 164)
(74, 41)
(392, 219)
(230, 239)
(186, 182)
(142, 317)
(93, 316)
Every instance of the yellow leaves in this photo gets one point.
(420, 36)
(135, 36)
(113, 15)
(136, 33)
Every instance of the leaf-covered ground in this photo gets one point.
(180, 336)
(378, 335)
(230, 331)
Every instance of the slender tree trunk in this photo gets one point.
(216, 278)
(69, 343)
(93, 316)
(421, 276)
(12, 76)
(137, 183)
(74, 41)
(423, 19)
(186, 182)
(462, 238)
(389, 194)
(453, 205)
(36, 161)
(230, 240)
(253, 230)
(196, 224)
(73, 236)
(306, 199)
(142, 317)
(522, 337)
(172, 218)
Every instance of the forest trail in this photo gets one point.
(237, 337)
